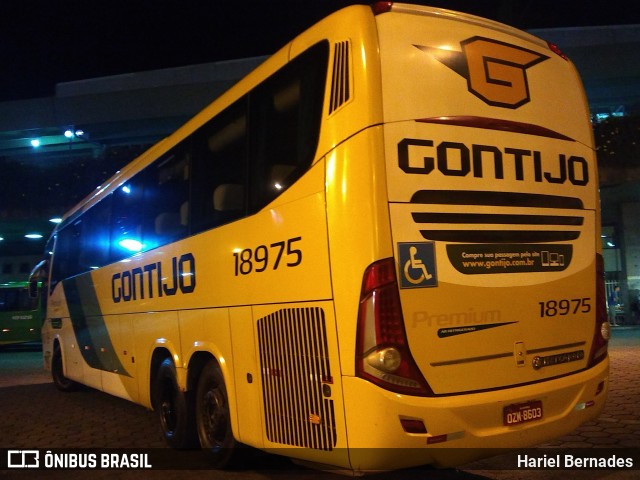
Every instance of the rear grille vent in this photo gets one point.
(340, 85)
(506, 226)
(296, 376)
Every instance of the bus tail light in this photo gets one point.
(382, 350)
(602, 329)
(381, 7)
(555, 49)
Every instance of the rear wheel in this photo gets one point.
(174, 408)
(212, 417)
(61, 382)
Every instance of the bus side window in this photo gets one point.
(127, 219)
(93, 246)
(286, 111)
(166, 198)
(65, 262)
(219, 169)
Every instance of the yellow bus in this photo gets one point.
(385, 237)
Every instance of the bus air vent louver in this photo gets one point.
(295, 374)
(340, 84)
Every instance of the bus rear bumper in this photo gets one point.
(463, 428)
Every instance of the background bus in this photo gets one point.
(21, 315)
(385, 237)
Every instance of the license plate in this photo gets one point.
(522, 413)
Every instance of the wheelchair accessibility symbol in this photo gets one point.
(417, 265)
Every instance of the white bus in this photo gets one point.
(385, 237)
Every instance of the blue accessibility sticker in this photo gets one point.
(417, 265)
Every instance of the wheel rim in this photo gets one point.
(214, 417)
(167, 408)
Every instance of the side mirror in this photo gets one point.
(37, 277)
(33, 288)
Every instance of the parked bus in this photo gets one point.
(21, 314)
(385, 237)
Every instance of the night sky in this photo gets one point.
(47, 42)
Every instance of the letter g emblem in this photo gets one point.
(497, 71)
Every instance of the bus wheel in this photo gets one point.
(175, 409)
(61, 382)
(212, 417)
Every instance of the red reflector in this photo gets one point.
(437, 439)
(381, 7)
(413, 425)
(555, 49)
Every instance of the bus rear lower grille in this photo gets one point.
(296, 378)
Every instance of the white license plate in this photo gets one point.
(522, 413)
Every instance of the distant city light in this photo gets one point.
(69, 133)
(33, 236)
(35, 143)
(1, 239)
(55, 220)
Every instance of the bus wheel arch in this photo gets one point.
(60, 381)
(213, 417)
(174, 407)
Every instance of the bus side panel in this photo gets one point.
(58, 328)
(155, 330)
(247, 377)
(359, 231)
(207, 330)
(301, 391)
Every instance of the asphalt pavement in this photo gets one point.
(34, 415)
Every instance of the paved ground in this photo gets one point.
(34, 415)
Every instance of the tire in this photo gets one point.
(212, 417)
(61, 382)
(174, 408)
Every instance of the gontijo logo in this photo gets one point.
(155, 279)
(496, 72)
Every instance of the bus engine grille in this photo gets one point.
(295, 377)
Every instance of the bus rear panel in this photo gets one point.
(489, 318)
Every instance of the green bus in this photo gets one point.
(21, 314)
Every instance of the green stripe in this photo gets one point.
(89, 327)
